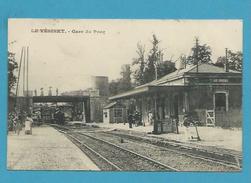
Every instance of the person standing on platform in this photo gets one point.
(130, 119)
(150, 117)
(28, 125)
(14, 122)
(18, 125)
(60, 117)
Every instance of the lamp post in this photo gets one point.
(155, 122)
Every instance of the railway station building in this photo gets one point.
(212, 93)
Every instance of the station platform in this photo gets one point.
(212, 138)
(45, 149)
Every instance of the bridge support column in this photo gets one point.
(83, 113)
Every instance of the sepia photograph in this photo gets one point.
(155, 95)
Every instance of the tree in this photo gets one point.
(125, 81)
(139, 62)
(146, 68)
(153, 60)
(234, 60)
(165, 67)
(12, 66)
(220, 61)
(122, 84)
(113, 87)
(203, 53)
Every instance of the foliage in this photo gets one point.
(165, 67)
(125, 81)
(152, 66)
(113, 87)
(146, 68)
(12, 66)
(140, 63)
(152, 60)
(234, 60)
(122, 84)
(203, 53)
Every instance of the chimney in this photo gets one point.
(226, 62)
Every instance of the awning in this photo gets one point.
(132, 92)
(144, 90)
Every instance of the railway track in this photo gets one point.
(111, 157)
(221, 158)
(102, 162)
(181, 158)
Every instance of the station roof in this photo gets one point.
(203, 69)
(110, 105)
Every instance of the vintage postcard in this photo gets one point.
(125, 95)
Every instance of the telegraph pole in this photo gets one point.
(27, 74)
(19, 70)
(155, 123)
(196, 54)
(23, 67)
(226, 61)
(29, 108)
(18, 78)
(156, 72)
(24, 71)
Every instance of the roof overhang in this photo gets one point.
(129, 93)
(144, 90)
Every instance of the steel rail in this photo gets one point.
(132, 152)
(90, 149)
(190, 154)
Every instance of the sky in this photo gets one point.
(90, 47)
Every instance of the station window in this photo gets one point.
(117, 112)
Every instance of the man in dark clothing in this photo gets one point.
(60, 117)
(130, 120)
(130, 115)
